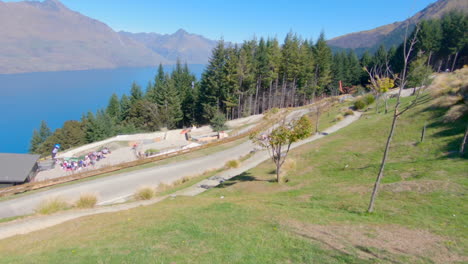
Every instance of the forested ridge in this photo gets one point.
(246, 79)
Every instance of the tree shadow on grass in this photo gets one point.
(243, 177)
(453, 129)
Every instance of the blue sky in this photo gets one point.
(238, 20)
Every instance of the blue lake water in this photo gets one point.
(26, 99)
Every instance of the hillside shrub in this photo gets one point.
(369, 99)
(218, 122)
(232, 164)
(359, 104)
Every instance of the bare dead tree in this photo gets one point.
(423, 132)
(377, 73)
(463, 143)
(407, 50)
(318, 109)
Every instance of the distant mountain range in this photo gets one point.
(195, 49)
(393, 34)
(40, 36)
(47, 36)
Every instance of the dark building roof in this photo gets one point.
(16, 168)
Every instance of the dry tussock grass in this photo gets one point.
(181, 181)
(162, 187)
(447, 100)
(289, 164)
(455, 112)
(52, 205)
(451, 91)
(86, 201)
(339, 117)
(144, 193)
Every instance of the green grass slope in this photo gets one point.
(317, 217)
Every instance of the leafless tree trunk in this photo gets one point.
(386, 103)
(462, 146)
(275, 99)
(440, 66)
(263, 102)
(269, 95)
(454, 61)
(256, 96)
(283, 93)
(429, 58)
(447, 62)
(239, 106)
(250, 104)
(423, 133)
(396, 114)
(293, 93)
(319, 109)
(377, 103)
(317, 117)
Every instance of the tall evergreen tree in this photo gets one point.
(35, 142)
(184, 82)
(290, 67)
(71, 135)
(212, 81)
(39, 137)
(113, 108)
(306, 74)
(231, 90)
(99, 126)
(157, 93)
(246, 75)
(144, 116)
(354, 69)
(261, 72)
(455, 39)
(124, 107)
(339, 71)
(381, 58)
(366, 62)
(135, 93)
(429, 37)
(323, 58)
(44, 131)
(172, 105)
(275, 57)
(419, 71)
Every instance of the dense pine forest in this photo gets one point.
(248, 79)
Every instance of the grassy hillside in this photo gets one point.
(317, 217)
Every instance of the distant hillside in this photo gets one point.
(47, 36)
(194, 49)
(393, 34)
